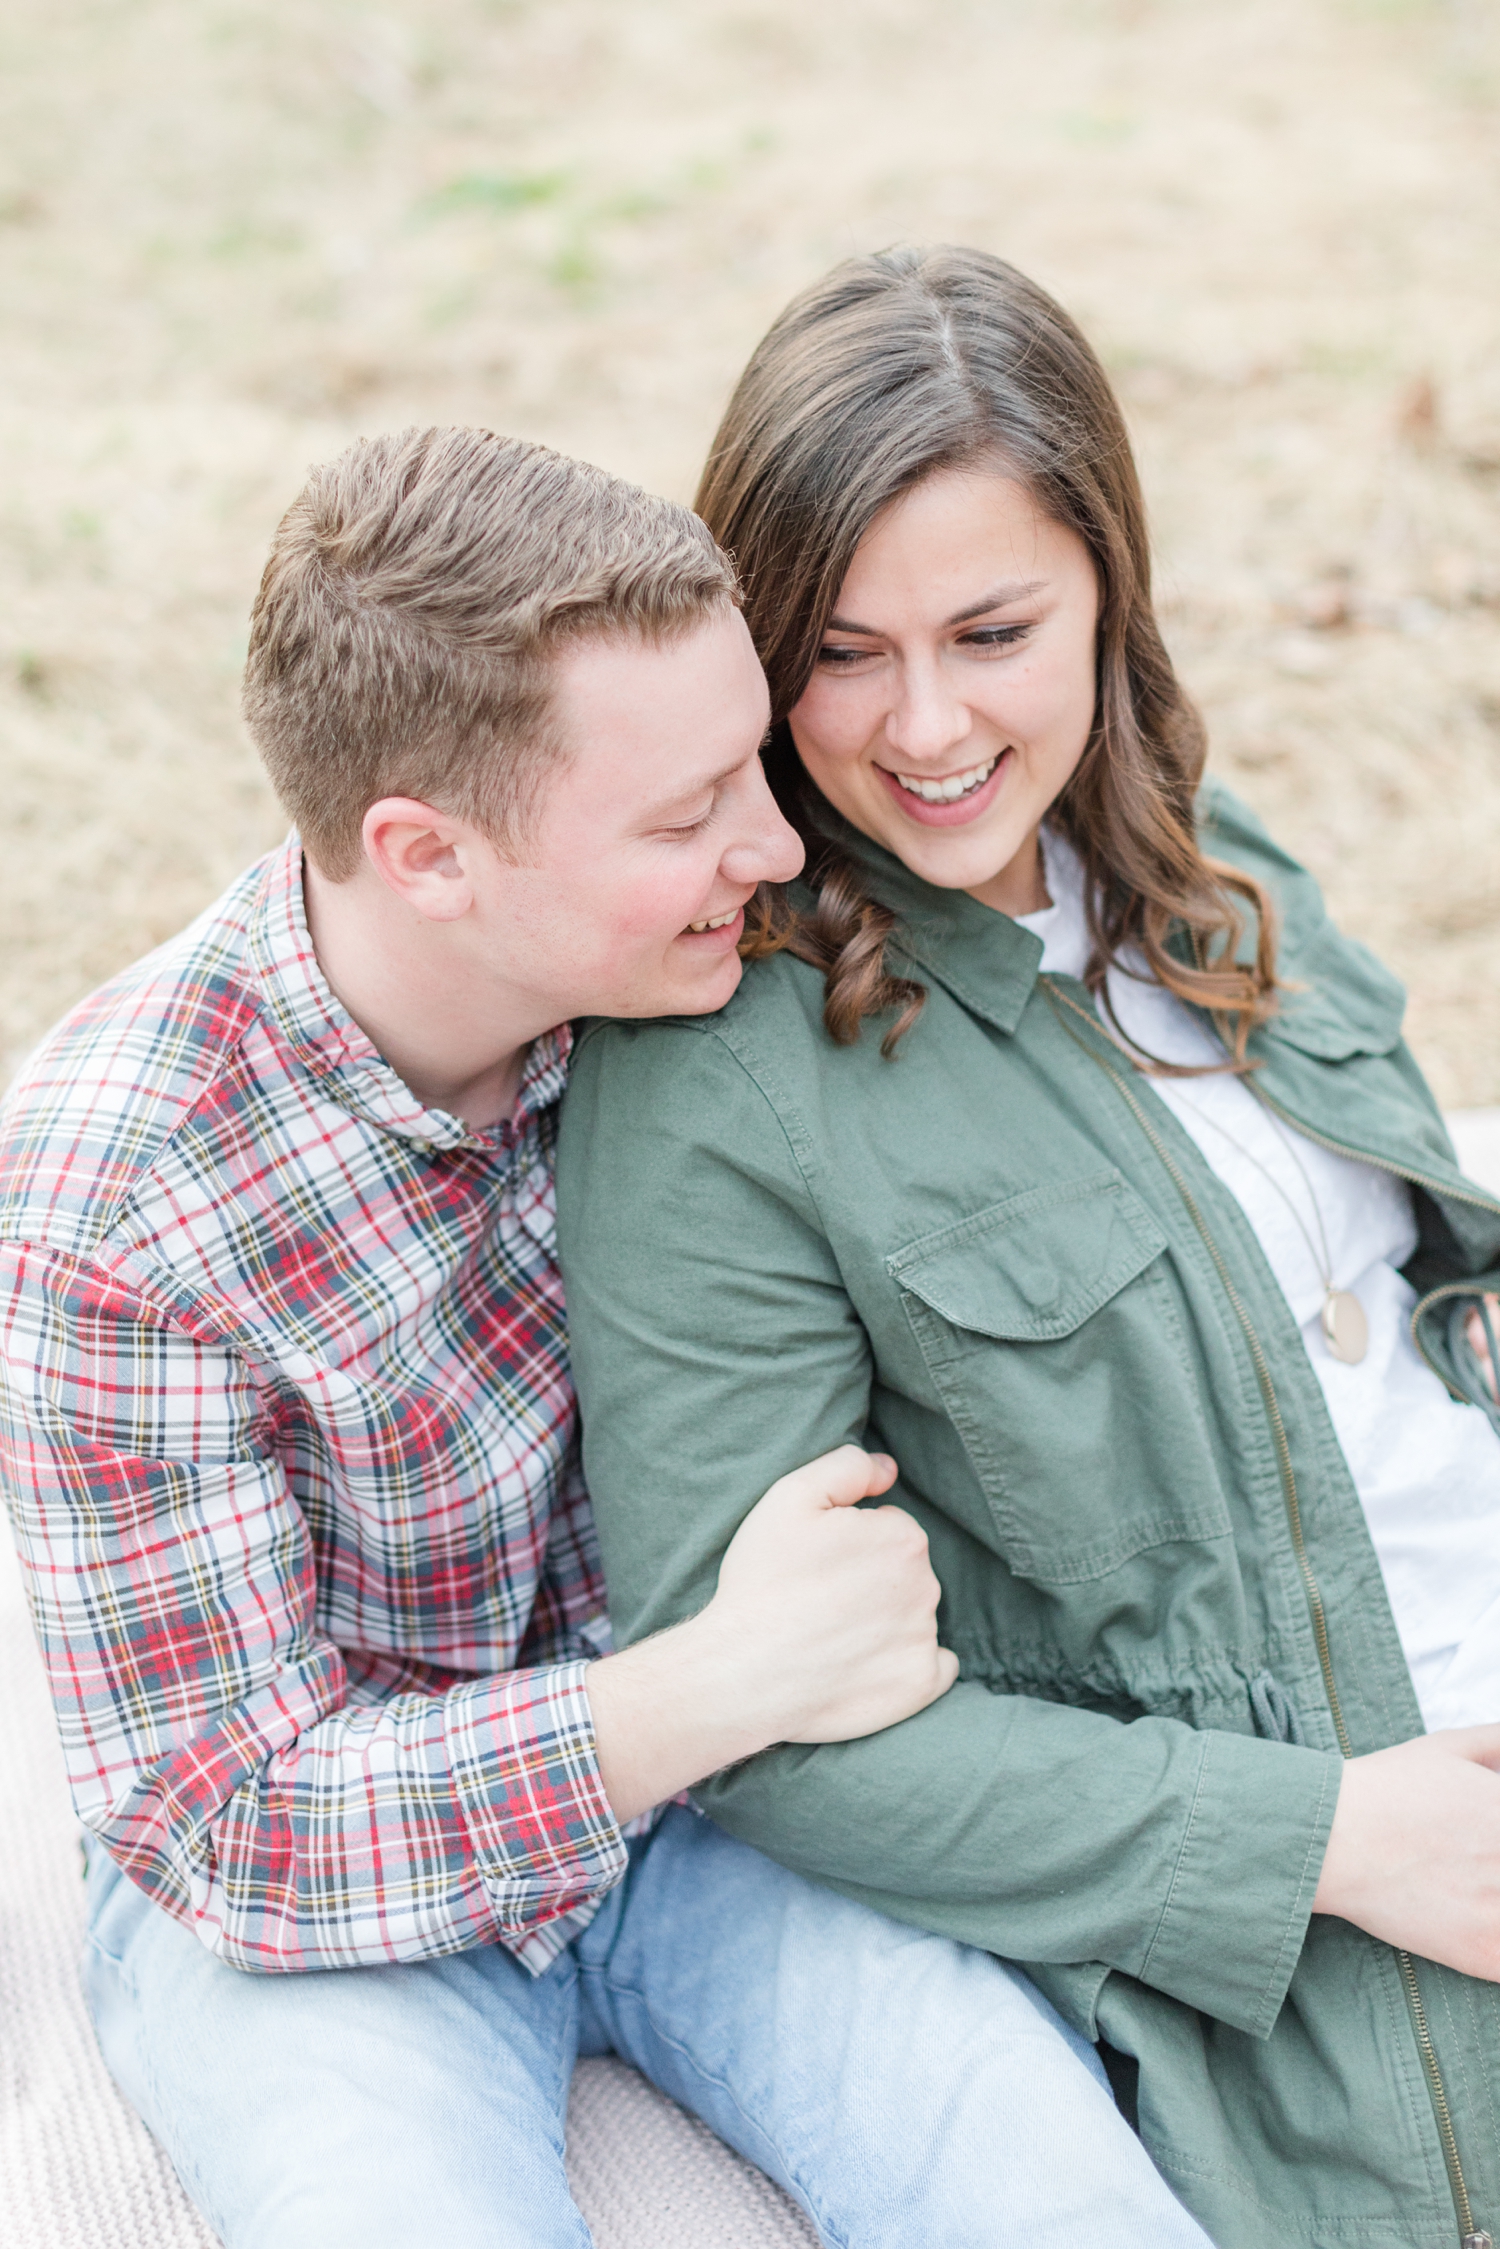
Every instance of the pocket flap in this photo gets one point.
(1037, 1265)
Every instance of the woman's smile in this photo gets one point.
(952, 800)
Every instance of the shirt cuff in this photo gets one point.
(526, 1769)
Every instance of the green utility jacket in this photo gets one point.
(999, 1257)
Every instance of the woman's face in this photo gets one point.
(954, 693)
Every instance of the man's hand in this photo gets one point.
(1414, 1853)
(833, 1606)
(823, 1627)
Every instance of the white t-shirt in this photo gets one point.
(1425, 1466)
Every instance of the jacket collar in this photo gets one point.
(331, 1046)
(987, 961)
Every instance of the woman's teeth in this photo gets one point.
(722, 921)
(957, 784)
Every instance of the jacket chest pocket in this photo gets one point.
(1052, 1333)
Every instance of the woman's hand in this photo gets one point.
(1414, 1853)
(1479, 1343)
(823, 1627)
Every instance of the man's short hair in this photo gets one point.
(418, 591)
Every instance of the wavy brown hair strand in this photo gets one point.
(889, 369)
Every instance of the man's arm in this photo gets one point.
(214, 1738)
(714, 1344)
(217, 1745)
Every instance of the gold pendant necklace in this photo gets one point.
(1346, 1331)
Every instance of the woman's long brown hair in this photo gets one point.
(890, 368)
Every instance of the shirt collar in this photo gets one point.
(986, 960)
(332, 1047)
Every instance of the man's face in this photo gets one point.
(652, 834)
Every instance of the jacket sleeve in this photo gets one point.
(715, 1347)
(296, 1812)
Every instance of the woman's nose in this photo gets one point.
(926, 718)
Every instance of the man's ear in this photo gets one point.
(422, 855)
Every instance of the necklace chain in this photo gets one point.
(1325, 1263)
(1345, 1328)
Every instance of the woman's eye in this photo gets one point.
(995, 636)
(837, 656)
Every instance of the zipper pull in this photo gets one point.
(1477, 2241)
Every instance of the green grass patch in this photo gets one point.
(493, 193)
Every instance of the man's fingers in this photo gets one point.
(897, 1519)
(944, 1674)
(840, 1478)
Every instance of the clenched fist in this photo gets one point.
(823, 1627)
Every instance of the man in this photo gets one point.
(290, 1446)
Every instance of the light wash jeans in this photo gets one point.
(911, 2093)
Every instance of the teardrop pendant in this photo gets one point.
(1345, 1327)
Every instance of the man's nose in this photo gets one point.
(767, 847)
(774, 854)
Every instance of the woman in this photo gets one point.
(1056, 1141)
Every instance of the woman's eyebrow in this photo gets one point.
(997, 598)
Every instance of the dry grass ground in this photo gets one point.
(234, 235)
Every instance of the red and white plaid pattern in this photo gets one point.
(288, 1438)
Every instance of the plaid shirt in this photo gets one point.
(289, 1440)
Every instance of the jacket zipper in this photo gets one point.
(1469, 2237)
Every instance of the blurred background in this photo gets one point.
(234, 236)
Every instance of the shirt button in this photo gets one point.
(421, 1147)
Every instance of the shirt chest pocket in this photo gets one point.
(1051, 1330)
